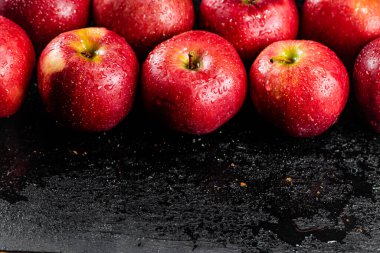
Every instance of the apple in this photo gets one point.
(367, 83)
(345, 26)
(194, 82)
(250, 25)
(16, 66)
(299, 86)
(87, 78)
(43, 20)
(145, 24)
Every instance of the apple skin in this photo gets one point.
(250, 27)
(43, 20)
(16, 66)
(299, 86)
(198, 100)
(87, 79)
(345, 26)
(367, 83)
(145, 24)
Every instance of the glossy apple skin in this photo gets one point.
(88, 94)
(43, 20)
(304, 98)
(145, 24)
(367, 83)
(16, 66)
(345, 26)
(194, 101)
(250, 27)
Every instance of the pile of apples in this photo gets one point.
(193, 81)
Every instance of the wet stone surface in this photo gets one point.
(245, 188)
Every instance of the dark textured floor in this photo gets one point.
(141, 188)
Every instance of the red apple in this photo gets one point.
(45, 19)
(194, 82)
(299, 86)
(367, 83)
(87, 78)
(345, 26)
(250, 25)
(143, 23)
(16, 66)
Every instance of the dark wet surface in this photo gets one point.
(141, 188)
(246, 187)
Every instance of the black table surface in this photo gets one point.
(141, 188)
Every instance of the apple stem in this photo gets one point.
(87, 54)
(191, 66)
(193, 63)
(282, 59)
(250, 1)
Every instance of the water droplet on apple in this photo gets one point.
(108, 87)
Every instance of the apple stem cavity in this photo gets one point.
(283, 59)
(90, 54)
(87, 54)
(191, 66)
(249, 2)
(193, 61)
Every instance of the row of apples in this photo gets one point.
(300, 86)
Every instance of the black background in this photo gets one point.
(141, 188)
